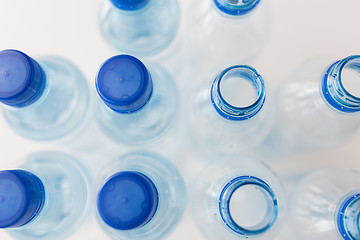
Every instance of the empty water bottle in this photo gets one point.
(45, 197)
(233, 113)
(142, 197)
(238, 197)
(319, 104)
(44, 99)
(139, 27)
(137, 105)
(222, 33)
(326, 205)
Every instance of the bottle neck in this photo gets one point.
(332, 86)
(235, 75)
(248, 206)
(236, 7)
(129, 5)
(348, 217)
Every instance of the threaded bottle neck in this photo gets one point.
(348, 217)
(236, 7)
(233, 78)
(334, 91)
(248, 206)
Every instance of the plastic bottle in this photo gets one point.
(137, 105)
(142, 197)
(141, 27)
(42, 99)
(318, 106)
(45, 197)
(326, 205)
(233, 113)
(238, 197)
(222, 33)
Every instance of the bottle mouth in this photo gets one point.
(248, 206)
(339, 85)
(348, 217)
(241, 102)
(236, 7)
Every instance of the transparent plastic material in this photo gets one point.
(171, 194)
(143, 31)
(61, 107)
(66, 184)
(238, 197)
(325, 205)
(314, 106)
(233, 114)
(216, 38)
(149, 122)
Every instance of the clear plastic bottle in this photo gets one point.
(44, 99)
(141, 27)
(326, 205)
(45, 197)
(222, 33)
(319, 105)
(137, 105)
(233, 114)
(238, 197)
(142, 197)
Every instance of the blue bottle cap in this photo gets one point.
(129, 5)
(21, 197)
(236, 7)
(128, 200)
(21, 78)
(124, 84)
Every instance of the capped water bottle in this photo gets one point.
(326, 205)
(137, 104)
(42, 99)
(238, 197)
(142, 197)
(45, 197)
(141, 27)
(221, 33)
(319, 104)
(232, 114)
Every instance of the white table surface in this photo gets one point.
(68, 28)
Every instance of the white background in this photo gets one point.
(68, 28)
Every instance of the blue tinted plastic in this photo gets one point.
(66, 201)
(224, 205)
(237, 197)
(236, 7)
(144, 180)
(129, 124)
(127, 200)
(145, 29)
(21, 79)
(230, 111)
(348, 217)
(326, 205)
(59, 109)
(124, 84)
(334, 91)
(21, 197)
(129, 5)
